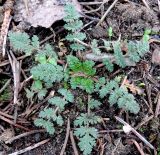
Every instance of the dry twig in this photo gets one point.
(20, 120)
(66, 138)
(135, 132)
(157, 112)
(16, 75)
(23, 135)
(106, 13)
(90, 3)
(95, 10)
(30, 147)
(148, 91)
(145, 120)
(73, 143)
(14, 124)
(138, 147)
(146, 4)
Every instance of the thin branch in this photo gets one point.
(81, 42)
(23, 135)
(157, 112)
(135, 132)
(138, 147)
(30, 147)
(106, 13)
(146, 4)
(12, 123)
(66, 138)
(73, 143)
(90, 3)
(147, 119)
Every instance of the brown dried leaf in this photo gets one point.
(41, 12)
(134, 89)
(6, 135)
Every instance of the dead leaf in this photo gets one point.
(6, 135)
(134, 89)
(156, 56)
(41, 12)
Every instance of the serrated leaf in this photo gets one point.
(108, 64)
(29, 93)
(83, 83)
(94, 104)
(20, 41)
(59, 102)
(48, 52)
(132, 51)
(87, 139)
(47, 72)
(77, 47)
(79, 36)
(42, 59)
(67, 94)
(35, 42)
(73, 27)
(48, 113)
(106, 89)
(71, 13)
(101, 82)
(129, 103)
(37, 85)
(118, 54)
(59, 120)
(94, 47)
(52, 61)
(42, 93)
(85, 119)
(45, 124)
(107, 45)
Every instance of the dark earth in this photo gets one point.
(129, 18)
